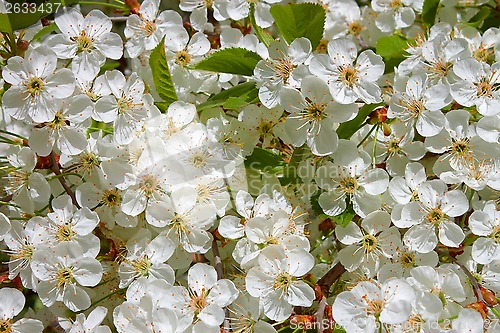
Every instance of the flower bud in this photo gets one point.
(479, 307)
(488, 296)
(377, 116)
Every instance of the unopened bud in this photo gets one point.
(488, 296)
(22, 46)
(303, 320)
(44, 162)
(479, 307)
(318, 293)
(133, 5)
(377, 116)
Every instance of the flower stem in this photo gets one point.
(101, 4)
(495, 312)
(366, 136)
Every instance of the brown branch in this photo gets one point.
(54, 166)
(473, 282)
(330, 277)
(7, 198)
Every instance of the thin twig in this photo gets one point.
(54, 166)
(119, 18)
(473, 282)
(330, 277)
(7, 198)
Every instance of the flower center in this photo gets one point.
(198, 303)
(315, 112)
(203, 193)
(142, 265)
(415, 107)
(484, 89)
(283, 69)
(349, 76)
(393, 146)
(199, 159)
(322, 46)
(65, 233)
(58, 122)
(64, 276)
(396, 4)
(435, 216)
(148, 185)
(374, 307)
(35, 86)
(408, 260)
(441, 68)
(483, 54)
(355, 28)
(182, 58)
(349, 185)
(89, 161)
(495, 235)
(265, 127)
(148, 27)
(460, 147)
(26, 252)
(83, 42)
(111, 198)
(369, 242)
(283, 281)
(5, 326)
(123, 105)
(179, 222)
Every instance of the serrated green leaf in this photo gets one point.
(300, 20)
(429, 11)
(232, 98)
(346, 130)
(392, 49)
(262, 159)
(235, 60)
(316, 208)
(161, 75)
(45, 31)
(290, 172)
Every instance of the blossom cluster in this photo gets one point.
(251, 166)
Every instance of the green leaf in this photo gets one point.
(346, 130)
(290, 172)
(300, 20)
(429, 11)
(262, 159)
(162, 106)
(161, 75)
(392, 49)
(232, 60)
(232, 98)
(344, 218)
(5, 23)
(45, 30)
(480, 17)
(491, 21)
